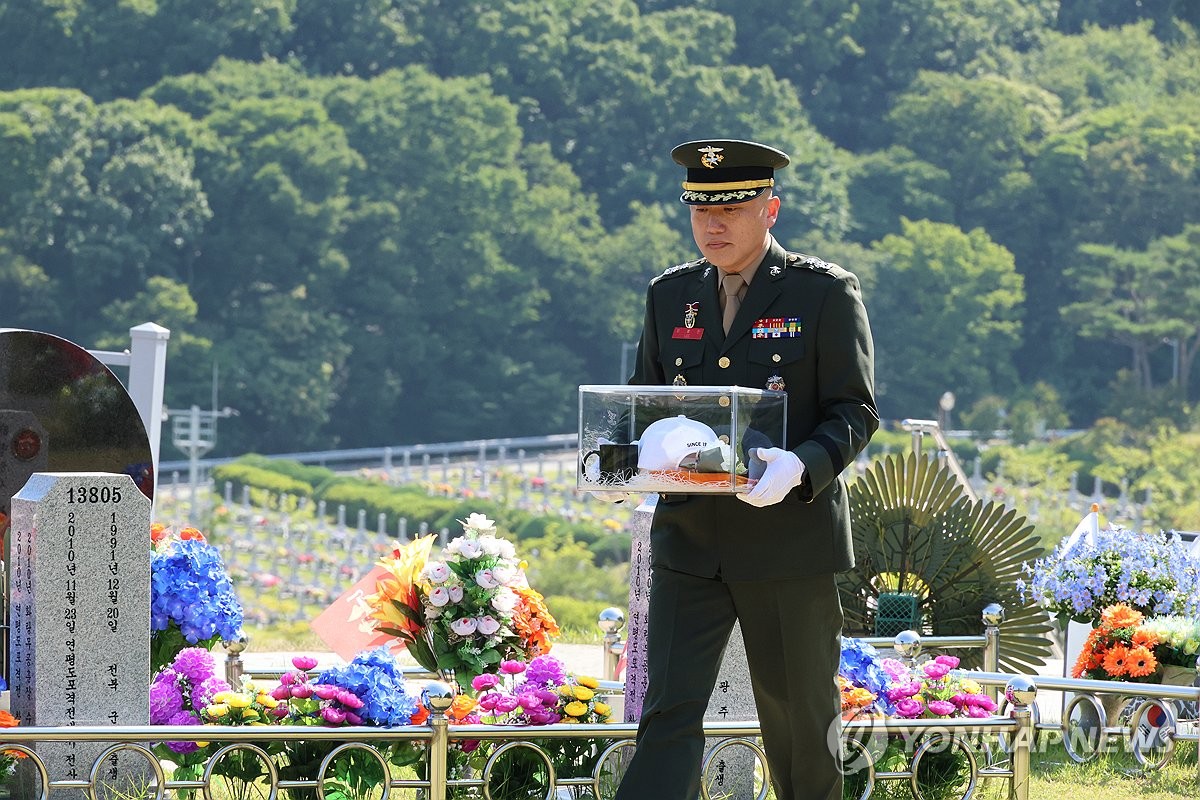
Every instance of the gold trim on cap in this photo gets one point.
(718, 187)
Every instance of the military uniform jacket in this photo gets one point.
(828, 373)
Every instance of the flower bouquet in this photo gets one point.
(1178, 644)
(1151, 573)
(8, 758)
(466, 612)
(179, 693)
(192, 602)
(541, 692)
(1119, 648)
(874, 687)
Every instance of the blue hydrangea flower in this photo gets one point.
(375, 677)
(862, 666)
(189, 587)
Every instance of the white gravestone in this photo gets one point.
(731, 775)
(80, 636)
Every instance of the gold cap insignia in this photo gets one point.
(712, 156)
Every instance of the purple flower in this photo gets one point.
(166, 700)
(529, 701)
(333, 716)
(545, 671)
(909, 708)
(506, 703)
(353, 719)
(547, 697)
(543, 716)
(942, 708)
(202, 695)
(512, 667)
(194, 663)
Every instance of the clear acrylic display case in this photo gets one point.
(676, 439)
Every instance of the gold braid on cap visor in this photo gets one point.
(732, 186)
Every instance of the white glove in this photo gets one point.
(784, 472)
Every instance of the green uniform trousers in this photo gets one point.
(791, 628)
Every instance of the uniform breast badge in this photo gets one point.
(689, 314)
(689, 329)
(775, 383)
(679, 381)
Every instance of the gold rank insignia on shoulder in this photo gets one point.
(679, 381)
(775, 383)
(712, 156)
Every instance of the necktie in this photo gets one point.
(731, 284)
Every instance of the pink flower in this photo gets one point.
(304, 663)
(439, 596)
(488, 701)
(349, 699)
(486, 579)
(980, 701)
(909, 708)
(463, 627)
(487, 625)
(977, 712)
(903, 690)
(287, 678)
(936, 671)
(333, 716)
(512, 667)
(547, 697)
(302, 691)
(943, 708)
(894, 668)
(950, 661)
(353, 719)
(436, 571)
(484, 681)
(506, 703)
(456, 594)
(280, 711)
(326, 691)
(281, 692)
(529, 701)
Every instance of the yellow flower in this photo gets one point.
(266, 701)
(576, 708)
(602, 709)
(221, 697)
(240, 700)
(569, 720)
(566, 691)
(249, 714)
(258, 725)
(971, 687)
(588, 681)
(583, 693)
(217, 710)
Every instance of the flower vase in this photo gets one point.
(1175, 675)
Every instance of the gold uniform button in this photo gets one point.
(679, 362)
(724, 401)
(724, 362)
(776, 358)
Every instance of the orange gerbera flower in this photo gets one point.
(1141, 662)
(1144, 638)
(463, 705)
(1116, 661)
(1121, 616)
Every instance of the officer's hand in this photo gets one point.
(783, 473)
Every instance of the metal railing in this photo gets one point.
(920, 428)
(438, 736)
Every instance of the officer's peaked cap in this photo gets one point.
(726, 171)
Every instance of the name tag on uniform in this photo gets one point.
(776, 328)
(687, 333)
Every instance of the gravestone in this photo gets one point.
(80, 603)
(731, 775)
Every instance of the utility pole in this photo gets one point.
(195, 433)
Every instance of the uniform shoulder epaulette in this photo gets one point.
(679, 269)
(811, 262)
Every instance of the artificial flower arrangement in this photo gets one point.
(179, 692)
(465, 612)
(875, 688)
(1119, 648)
(192, 601)
(1151, 573)
(8, 758)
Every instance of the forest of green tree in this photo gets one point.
(395, 221)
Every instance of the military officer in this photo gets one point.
(766, 318)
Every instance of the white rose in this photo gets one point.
(486, 579)
(487, 625)
(469, 548)
(436, 571)
(505, 600)
(456, 594)
(506, 549)
(490, 545)
(479, 522)
(463, 627)
(439, 596)
(504, 573)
